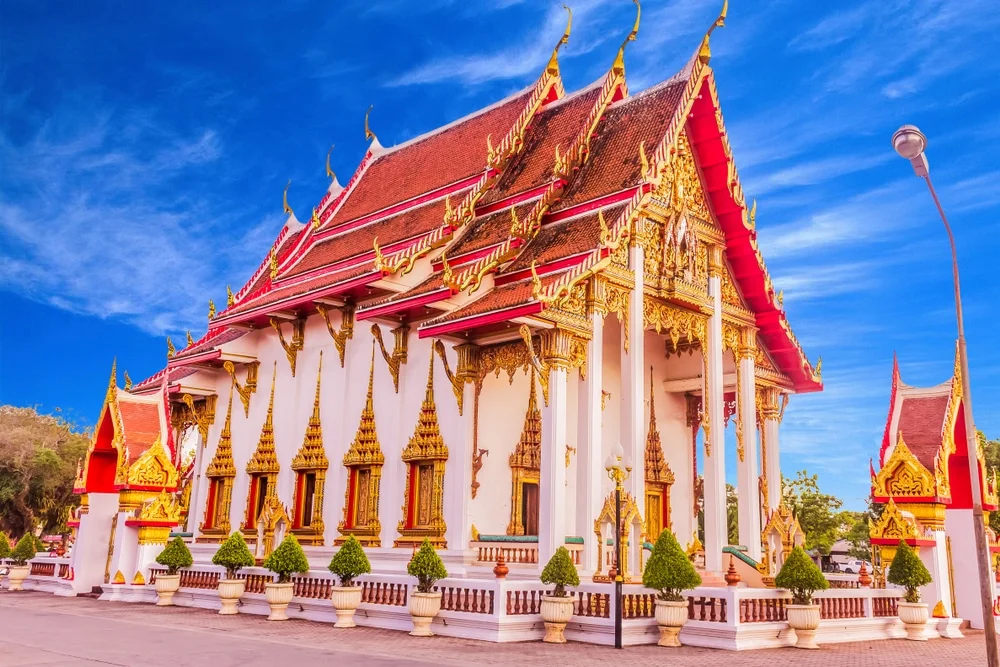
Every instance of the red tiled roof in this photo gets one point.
(504, 296)
(408, 224)
(140, 425)
(211, 340)
(921, 419)
(614, 163)
(558, 123)
(488, 229)
(281, 293)
(565, 238)
(441, 158)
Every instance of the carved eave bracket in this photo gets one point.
(399, 350)
(541, 367)
(457, 382)
(201, 414)
(249, 385)
(345, 332)
(298, 339)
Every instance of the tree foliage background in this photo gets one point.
(38, 458)
(818, 513)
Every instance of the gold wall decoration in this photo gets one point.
(345, 332)
(477, 465)
(659, 477)
(399, 351)
(903, 475)
(364, 461)
(457, 383)
(272, 514)
(892, 524)
(263, 466)
(310, 465)
(163, 507)
(292, 347)
(616, 301)
(676, 321)
(220, 472)
(249, 386)
(508, 357)
(201, 414)
(630, 517)
(425, 457)
(153, 468)
(525, 467)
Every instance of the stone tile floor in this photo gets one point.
(41, 629)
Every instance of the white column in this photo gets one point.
(590, 463)
(749, 504)
(552, 515)
(771, 423)
(458, 479)
(633, 389)
(715, 454)
(195, 509)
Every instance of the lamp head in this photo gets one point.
(910, 143)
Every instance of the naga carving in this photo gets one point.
(249, 386)
(298, 339)
(398, 355)
(457, 384)
(346, 331)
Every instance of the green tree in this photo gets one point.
(175, 556)
(350, 562)
(818, 513)
(991, 461)
(38, 458)
(560, 572)
(233, 554)
(908, 571)
(287, 559)
(669, 570)
(801, 577)
(427, 567)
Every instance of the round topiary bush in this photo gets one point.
(233, 555)
(427, 567)
(350, 562)
(24, 550)
(801, 577)
(4, 546)
(287, 559)
(560, 572)
(909, 571)
(668, 569)
(175, 556)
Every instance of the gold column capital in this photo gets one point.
(748, 343)
(715, 261)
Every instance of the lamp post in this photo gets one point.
(618, 473)
(910, 143)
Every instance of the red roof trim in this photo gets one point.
(208, 355)
(483, 319)
(544, 269)
(513, 200)
(594, 204)
(404, 303)
(346, 263)
(892, 408)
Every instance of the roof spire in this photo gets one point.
(284, 198)
(329, 172)
(619, 64)
(171, 350)
(113, 382)
(368, 133)
(704, 52)
(553, 66)
(230, 299)
(128, 382)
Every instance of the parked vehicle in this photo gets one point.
(854, 566)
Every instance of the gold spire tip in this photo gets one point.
(368, 133)
(705, 52)
(619, 64)
(329, 172)
(553, 66)
(284, 199)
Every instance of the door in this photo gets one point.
(529, 507)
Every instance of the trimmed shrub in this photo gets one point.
(350, 562)
(801, 577)
(4, 546)
(287, 559)
(233, 554)
(175, 556)
(668, 569)
(39, 545)
(24, 550)
(909, 571)
(427, 567)
(560, 572)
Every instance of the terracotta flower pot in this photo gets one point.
(671, 617)
(16, 576)
(804, 619)
(556, 612)
(166, 586)
(423, 608)
(278, 596)
(230, 592)
(914, 617)
(345, 600)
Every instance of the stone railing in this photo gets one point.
(518, 550)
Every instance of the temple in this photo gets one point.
(925, 484)
(454, 342)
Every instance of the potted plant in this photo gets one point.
(801, 577)
(232, 555)
(286, 560)
(173, 557)
(4, 547)
(670, 572)
(425, 602)
(23, 551)
(557, 607)
(908, 570)
(347, 564)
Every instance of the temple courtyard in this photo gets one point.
(41, 629)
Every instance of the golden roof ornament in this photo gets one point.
(230, 299)
(265, 459)
(284, 199)
(128, 382)
(190, 339)
(618, 67)
(211, 310)
(369, 135)
(553, 66)
(274, 264)
(329, 172)
(171, 350)
(380, 263)
(705, 52)
(222, 464)
(365, 449)
(753, 215)
(311, 456)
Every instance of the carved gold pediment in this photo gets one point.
(903, 475)
(893, 524)
(163, 507)
(153, 468)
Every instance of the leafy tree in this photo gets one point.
(233, 554)
(908, 570)
(350, 562)
(817, 512)
(24, 551)
(561, 572)
(38, 458)
(287, 559)
(427, 567)
(175, 556)
(800, 576)
(668, 570)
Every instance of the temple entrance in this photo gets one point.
(529, 507)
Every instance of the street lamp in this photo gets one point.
(910, 143)
(618, 472)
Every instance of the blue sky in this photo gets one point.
(144, 148)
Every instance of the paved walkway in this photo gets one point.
(40, 629)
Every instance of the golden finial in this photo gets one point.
(368, 133)
(490, 151)
(449, 213)
(619, 65)
(113, 382)
(819, 369)
(781, 299)
(379, 257)
(274, 265)
(230, 299)
(447, 274)
(643, 160)
(128, 382)
(605, 231)
(284, 198)
(329, 172)
(190, 339)
(430, 374)
(705, 53)
(553, 66)
(515, 224)
(319, 376)
(536, 282)
(211, 310)
(171, 350)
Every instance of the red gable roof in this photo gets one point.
(921, 421)
(140, 425)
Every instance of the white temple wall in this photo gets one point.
(574, 386)
(959, 527)
(611, 432)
